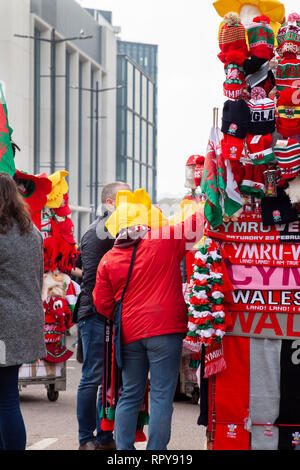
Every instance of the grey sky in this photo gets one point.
(190, 74)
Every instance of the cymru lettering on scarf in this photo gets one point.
(250, 228)
(283, 301)
(259, 277)
(265, 325)
(262, 254)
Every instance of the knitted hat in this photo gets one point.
(235, 83)
(194, 171)
(262, 113)
(232, 36)
(288, 72)
(232, 147)
(34, 189)
(288, 36)
(260, 149)
(235, 120)
(278, 210)
(66, 229)
(288, 157)
(288, 123)
(261, 38)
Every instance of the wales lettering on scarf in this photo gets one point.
(262, 254)
(283, 301)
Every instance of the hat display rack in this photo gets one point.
(244, 316)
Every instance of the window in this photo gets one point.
(137, 125)
(129, 171)
(129, 134)
(150, 101)
(136, 175)
(144, 97)
(137, 85)
(130, 85)
(150, 145)
(67, 117)
(144, 142)
(80, 98)
(144, 176)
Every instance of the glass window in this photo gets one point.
(130, 85)
(137, 124)
(144, 97)
(136, 175)
(37, 101)
(144, 176)
(150, 101)
(150, 145)
(144, 142)
(137, 99)
(129, 134)
(129, 171)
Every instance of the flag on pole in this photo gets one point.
(7, 163)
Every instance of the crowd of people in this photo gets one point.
(130, 267)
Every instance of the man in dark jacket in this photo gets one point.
(94, 244)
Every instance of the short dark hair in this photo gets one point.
(110, 190)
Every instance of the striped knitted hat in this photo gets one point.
(288, 36)
(288, 123)
(235, 83)
(232, 36)
(288, 157)
(261, 38)
(288, 72)
(262, 113)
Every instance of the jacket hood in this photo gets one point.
(131, 236)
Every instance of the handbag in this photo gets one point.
(118, 317)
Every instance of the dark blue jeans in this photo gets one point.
(159, 355)
(88, 405)
(12, 428)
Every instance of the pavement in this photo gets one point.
(53, 425)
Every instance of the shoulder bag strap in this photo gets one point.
(130, 270)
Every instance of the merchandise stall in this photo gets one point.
(47, 198)
(243, 295)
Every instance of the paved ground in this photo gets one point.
(53, 425)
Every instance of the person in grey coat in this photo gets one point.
(21, 308)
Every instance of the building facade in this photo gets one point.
(49, 75)
(137, 116)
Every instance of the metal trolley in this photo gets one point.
(53, 376)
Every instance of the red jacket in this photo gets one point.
(153, 303)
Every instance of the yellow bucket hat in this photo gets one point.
(134, 209)
(59, 188)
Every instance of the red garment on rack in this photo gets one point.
(232, 396)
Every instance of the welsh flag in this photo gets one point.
(7, 164)
(218, 183)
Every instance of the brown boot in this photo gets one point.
(110, 446)
(91, 445)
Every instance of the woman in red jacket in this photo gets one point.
(154, 316)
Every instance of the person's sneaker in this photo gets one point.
(91, 445)
(110, 446)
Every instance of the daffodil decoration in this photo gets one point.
(249, 9)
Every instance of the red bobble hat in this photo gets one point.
(260, 148)
(261, 38)
(288, 123)
(288, 36)
(262, 113)
(232, 36)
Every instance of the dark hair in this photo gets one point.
(12, 207)
(110, 190)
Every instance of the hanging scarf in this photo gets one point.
(231, 398)
(262, 254)
(111, 390)
(207, 316)
(264, 278)
(288, 420)
(264, 392)
(278, 301)
(250, 228)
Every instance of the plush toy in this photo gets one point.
(55, 284)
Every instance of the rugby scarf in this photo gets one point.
(231, 397)
(264, 278)
(250, 229)
(111, 390)
(264, 392)
(289, 409)
(262, 254)
(278, 301)
(208, 289)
